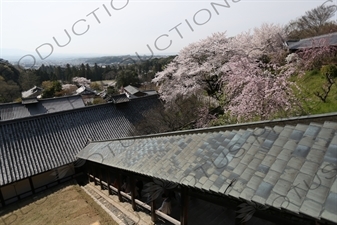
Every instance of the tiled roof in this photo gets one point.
(11, 111)
(29, 146)
(316, 41)
(33, 92)
(290, 167)
(119, 98)
(131, 89)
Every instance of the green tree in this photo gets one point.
(28, 79)
(9, 90)
(127, 77)
(51, 88)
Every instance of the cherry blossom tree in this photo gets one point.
(247, 74)
(195, 70)
(81, 81)
(257, 76)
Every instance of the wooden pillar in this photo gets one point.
(133, 193)
(153, 211)
(109, 181)
(100, 176)
(184, 206)
(119, 185)
(95, 173)
(87, 167)
(31, 185)
(57, 176)
(2, 200)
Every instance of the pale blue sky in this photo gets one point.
(26, 25)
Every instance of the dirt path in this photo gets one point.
(67, 205)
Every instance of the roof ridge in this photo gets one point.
(282, 122)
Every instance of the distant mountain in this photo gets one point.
(124, 59)
(13, 54)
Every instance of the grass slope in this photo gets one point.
(311, 82)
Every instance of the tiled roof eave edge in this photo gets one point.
(10, 121)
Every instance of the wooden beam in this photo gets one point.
(2, 200)
(31, 185)
(184, 206)
(153, 211)
(133, 193)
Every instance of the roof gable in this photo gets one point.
(10, 111)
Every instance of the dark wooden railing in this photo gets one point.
(127, 198)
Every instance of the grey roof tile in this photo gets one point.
(268, 160)
(296, 135)
(247, 159)
(331, 154)
(254, 164)
(276, 200)
(334, 140)
(247, 194)
(326, 174)
(312, 131)
(320, 143)
(311, 208)
(247, 174)
(309, 167)
(254, 182)
(253, 149)
(290, 145)
(281, 141)
(318, 194)
(271, 177)
(275, 150)
(263, 169)
(301, 151)
(240, 168)
(296, 162)
(331, 125)
(282, 187)
(285, 154)
(315, 155)
(264, 190)
(279, 165)
(296, 197)
(303, 181)
(290, 206)
(239, 185)
(260, 155)
(287, 131)
(326, 133)
(307, 141)
(330, 204)
(234, 193)
(329, 216)
(301, 127)
(289, 174)
(258, 199)
(334, 187)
